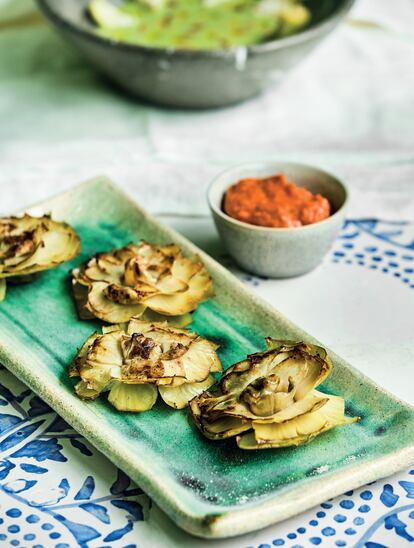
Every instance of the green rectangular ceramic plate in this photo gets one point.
(211, 489)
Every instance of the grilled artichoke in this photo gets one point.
(141, 280)
(31, 244)
(270, 399)
(138, 360)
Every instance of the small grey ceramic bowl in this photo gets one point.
(192, 79)
(279, 252)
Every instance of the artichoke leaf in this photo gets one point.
(284, 346)
(305, 427)
(168, 285)
(79, 361)
(78, 277)
(85, 392)
(276, 344)
(238, 377)
(180, 396)
(133, 397)
(165, 334)
(198, 361)
(141, 372)
(231, 407)
(80, 294)
(173, 321)
(107, 310)
(307, 370)
(122, 294)
(103, 361)
(216, 428)
(114, 327)
(199, 289)
(308, 404)
(104, 269)
(225, 427)
(185, 269)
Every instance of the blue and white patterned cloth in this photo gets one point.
(57, 491)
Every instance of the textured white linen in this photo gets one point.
(349, 107)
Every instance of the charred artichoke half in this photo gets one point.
(136, 361)
(269, 400)
(31, 244)
(141, 280)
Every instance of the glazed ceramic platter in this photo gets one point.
(211, 489)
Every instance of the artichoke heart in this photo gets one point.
(270, 399)
(31, 244)
(143, 280)
(137, 359)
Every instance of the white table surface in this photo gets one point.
(349, 107)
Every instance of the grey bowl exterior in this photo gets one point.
(279, 252)
(188, 79)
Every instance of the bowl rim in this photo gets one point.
(308, 34)
(269, 229)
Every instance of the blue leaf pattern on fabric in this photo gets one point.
(64, 486)
(119, 533)
(41, 450)
(388, 498)
(134, 509)
(87, 489)
(393, 234)
(6, 393)
(58, 425)
(408, 486)
(8, 421)
(19, 486)
(97, 510)
(23, 395)
(81, 446)
(16, 437)
(5, 467)
(33, 469)
(82, 533)
(38, 407)
(120, 484)
(393, 522)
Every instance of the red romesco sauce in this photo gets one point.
(274, 202)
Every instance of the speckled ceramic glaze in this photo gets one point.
(279, 252)
(192, 79)
(210, 489)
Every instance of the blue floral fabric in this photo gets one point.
(55, 489)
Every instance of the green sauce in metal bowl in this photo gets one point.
(198, 24)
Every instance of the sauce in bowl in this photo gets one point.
(198, 24)
(274, 202)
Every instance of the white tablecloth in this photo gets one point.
(349, 107)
